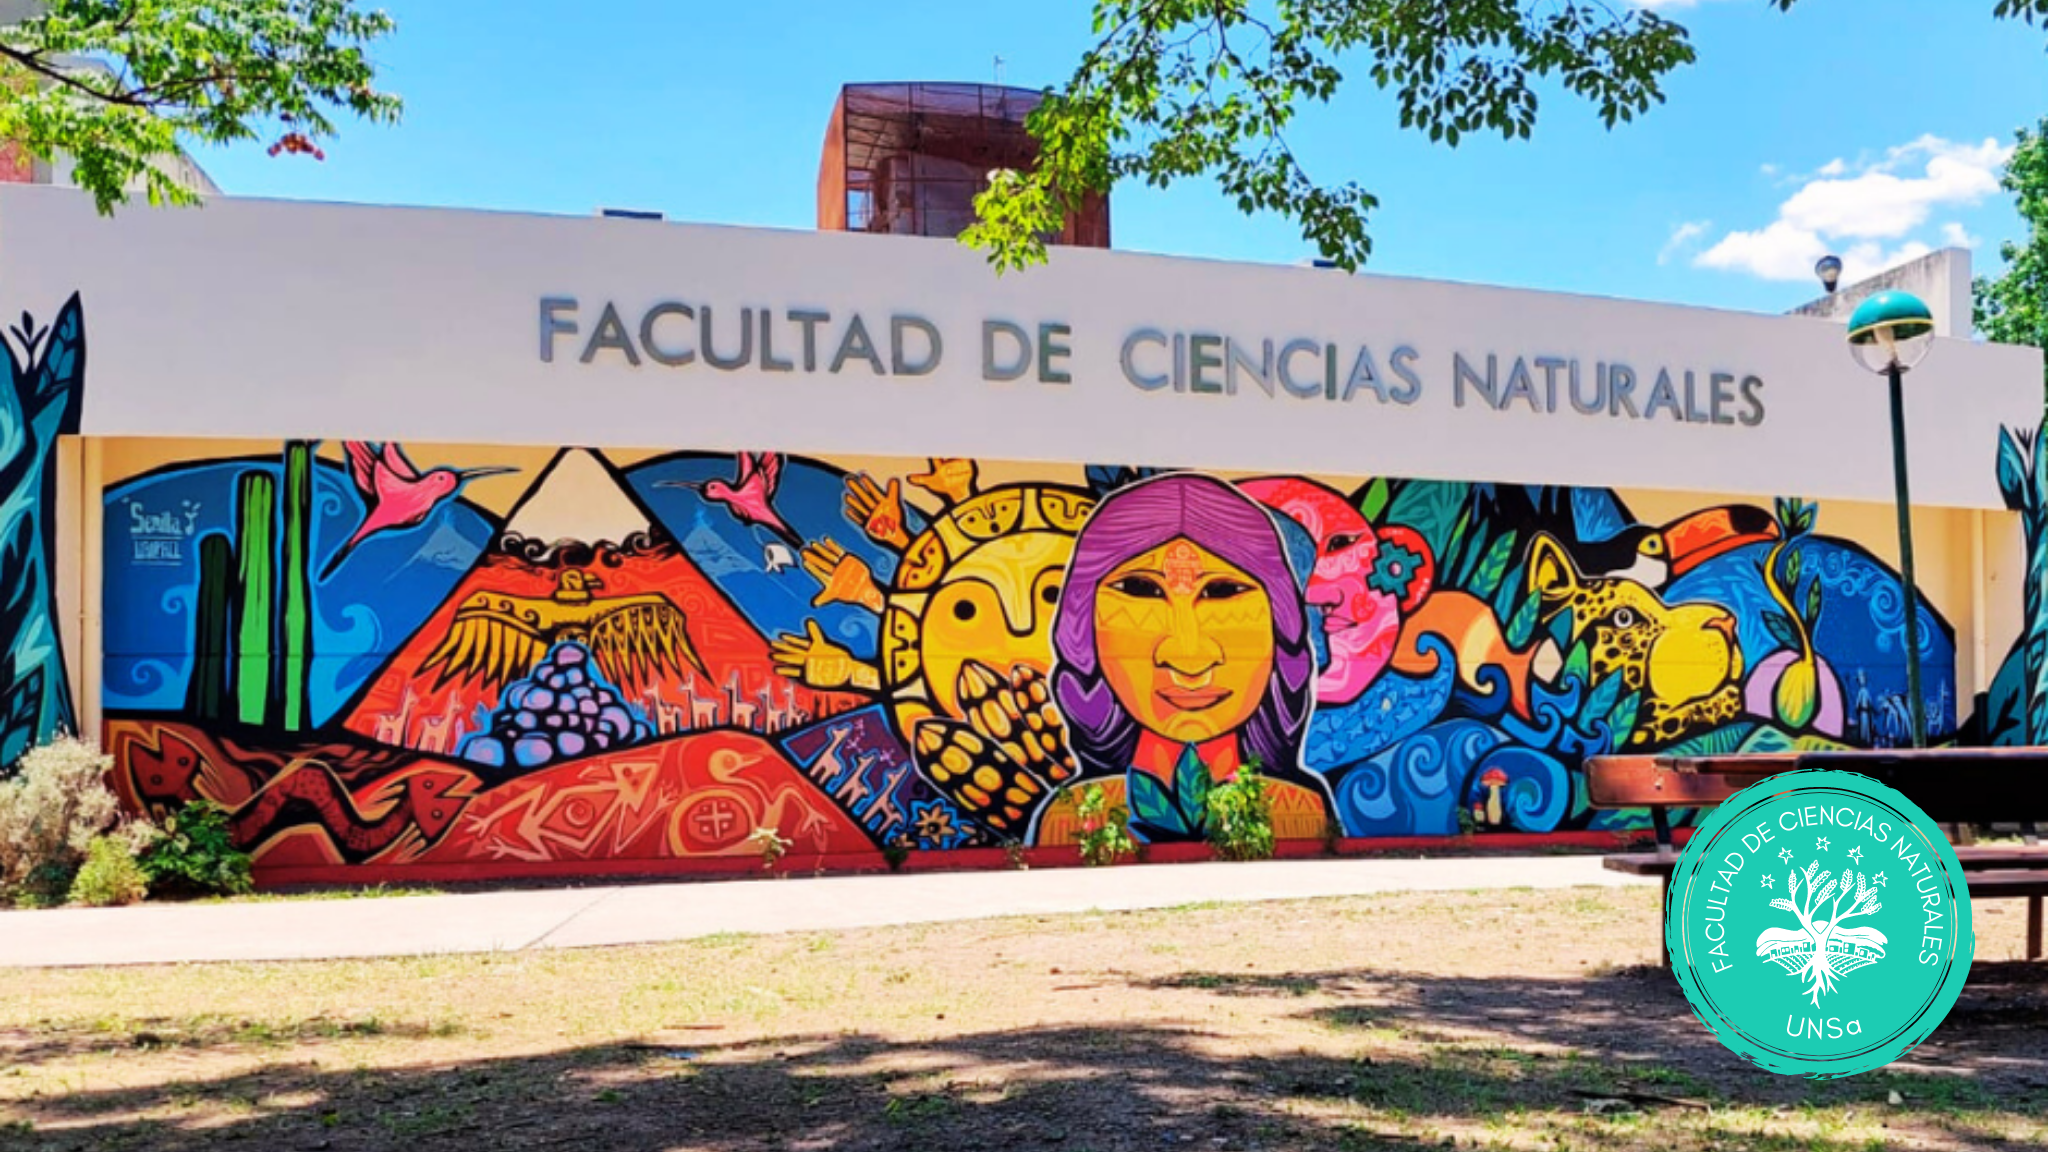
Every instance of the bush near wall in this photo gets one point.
(50, 814)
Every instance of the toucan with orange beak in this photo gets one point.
(1656, 556)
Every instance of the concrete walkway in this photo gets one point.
(650, 913)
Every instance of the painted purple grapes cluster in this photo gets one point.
(563, 709)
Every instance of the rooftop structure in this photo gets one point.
(909, 159)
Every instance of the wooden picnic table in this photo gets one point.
(1952, 785)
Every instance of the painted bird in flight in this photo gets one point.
(397, 495)
(751, 495)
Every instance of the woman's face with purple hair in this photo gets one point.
(1185, 640)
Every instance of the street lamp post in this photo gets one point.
(1889, 334)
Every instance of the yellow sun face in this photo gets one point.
(983, 584)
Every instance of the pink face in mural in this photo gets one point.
(1364, 582)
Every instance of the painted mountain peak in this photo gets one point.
(586, 630)
(579, 499)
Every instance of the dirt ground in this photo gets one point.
(1498, 1020)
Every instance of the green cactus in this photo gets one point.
(295, 618)
(208, 691)
(255, 593)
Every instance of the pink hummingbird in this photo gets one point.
(397, 494)
(751, 495)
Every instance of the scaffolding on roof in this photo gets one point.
(909, 159)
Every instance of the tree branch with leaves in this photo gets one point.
(2012, 308)
(1180, 89)
(117, 85)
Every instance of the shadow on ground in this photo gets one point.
(204, 1033)
(1609, 1061)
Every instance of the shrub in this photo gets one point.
(1241, 817)
(49, 814)
(1105, 828)
(770, 843)
(896, 853)
(110, 874)
(195, 856)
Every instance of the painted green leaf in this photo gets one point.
(1522, 622)
(1601, 700)
(1458, 553)
(1578, 663)
(1514, 587)
(1191, 787)
(1622, 720)
(1782, 629)
(1431, 507)
(1723, 741)
(1150, 803)
(1486, 579)
(1374, 501)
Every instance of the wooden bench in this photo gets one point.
(1952, 785)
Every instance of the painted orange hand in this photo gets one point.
(847, 579)
(951, 478)
(877, 510)
(820, 663)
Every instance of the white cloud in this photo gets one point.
(1684, 236)
(1868, 213)
(1953, 236)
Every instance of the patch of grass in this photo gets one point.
(207, 1030)
(1242, 983)
(365, 892)
(917, 1109)
(1399, 1021)
(1658, 1076)
(1950, 1095)
(723, 940)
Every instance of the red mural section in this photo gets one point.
(665, 641)
(320, 806)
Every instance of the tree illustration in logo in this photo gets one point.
(1822, 950)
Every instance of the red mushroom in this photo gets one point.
(1493, 780)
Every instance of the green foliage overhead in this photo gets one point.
(2013, 308)
(1178, 89)
(117, 84)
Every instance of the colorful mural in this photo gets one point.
(372, 655)
(2015, 710)
(39, 402)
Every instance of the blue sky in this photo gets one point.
(1873, 128)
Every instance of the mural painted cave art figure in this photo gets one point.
(966, 621)
(1184, 654)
